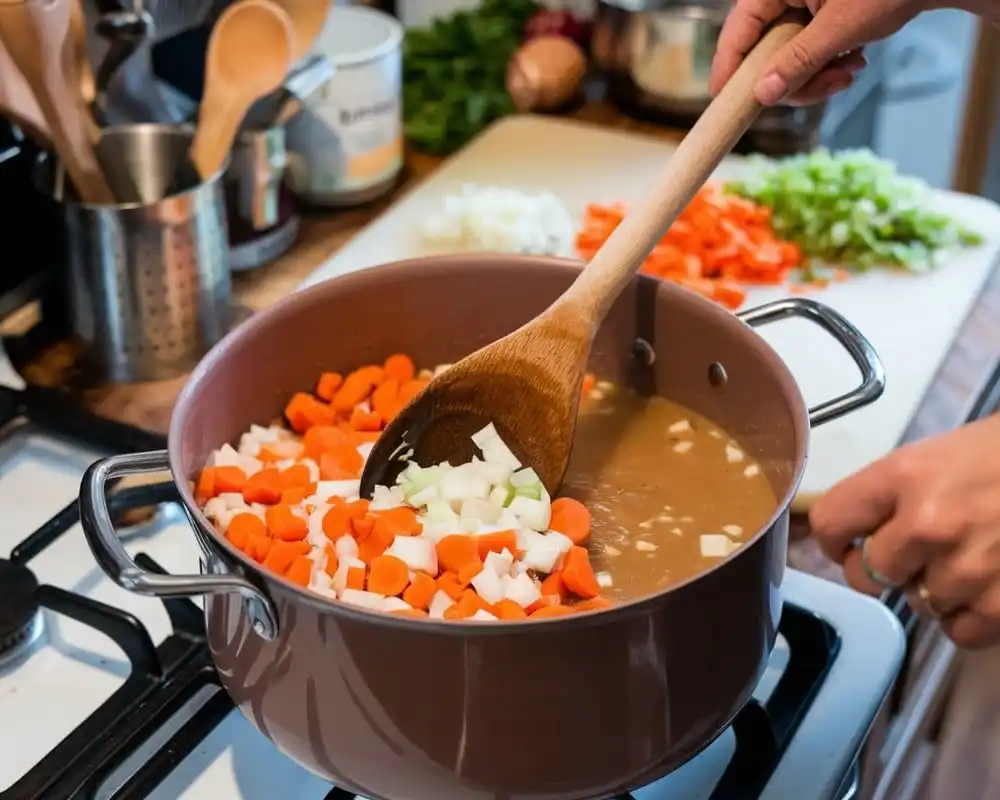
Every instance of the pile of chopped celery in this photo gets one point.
(851, 209)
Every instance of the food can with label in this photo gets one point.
(345, 146)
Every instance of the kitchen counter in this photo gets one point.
(960, 380)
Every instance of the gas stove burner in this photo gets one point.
(20, 614)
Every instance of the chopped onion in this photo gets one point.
(440, 603)
(521, 589)
(494, 449)
(417, 552)
(362, 599)
(489, 586)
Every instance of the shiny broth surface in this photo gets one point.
(671, 492)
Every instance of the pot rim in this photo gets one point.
(288, 305)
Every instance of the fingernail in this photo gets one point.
(771, 90)
(839, 84)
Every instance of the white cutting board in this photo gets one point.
(910, 319)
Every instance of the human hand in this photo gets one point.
(929, 514)
(825, 56)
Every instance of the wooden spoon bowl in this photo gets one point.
(528, 383)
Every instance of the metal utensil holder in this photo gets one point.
(258, 165)
(149, 282)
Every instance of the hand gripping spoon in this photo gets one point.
(528, 383)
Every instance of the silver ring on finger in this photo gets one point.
(873, 574)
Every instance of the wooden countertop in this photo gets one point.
(960, 380)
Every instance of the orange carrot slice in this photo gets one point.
(578, 574)
(420, 591)
(400, 367)
(553, 585)
(448, 583)
(332, 562)
(285, 525)
(205, 489)
(374, 544)
(282, 554)
(457, 550)
(411, 389)
(386, 398)
(362, 420)
(328, 384)
(417, 613)
(242, 527)
(356, 388)
(468, 572)
(258, 547)
(356, 578)
(571, 518)
(300, 571)
(263, 487)
(340, 463)
(509, 610)
(552, 611)
(304, 411)
(229, 480)
(496, 542)
(594, 604)
(322, 438)
(388, 576)
(399, 521)
(295, 476)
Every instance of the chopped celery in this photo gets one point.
(851, 209)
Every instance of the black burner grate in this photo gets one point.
(166, 677)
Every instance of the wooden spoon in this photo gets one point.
(18, 103)
(34, 32)
(79, 71)
(249, 54)
(528, 383)
(307, 17)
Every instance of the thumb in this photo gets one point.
(825, 37)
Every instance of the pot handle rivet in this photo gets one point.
(99, 528)
(850, 338)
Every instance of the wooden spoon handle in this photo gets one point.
(710, 139)
(213, 138)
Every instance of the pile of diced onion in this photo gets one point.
(469, 542)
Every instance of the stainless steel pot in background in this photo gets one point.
(658, 55)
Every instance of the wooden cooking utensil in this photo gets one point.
(35, 32)
(307, 18)
(528, 383)
(249, 54)
(79, 71)
(18, 104)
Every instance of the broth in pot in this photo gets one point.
(670, 491)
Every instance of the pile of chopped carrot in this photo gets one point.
(718, 246)
(288, 498)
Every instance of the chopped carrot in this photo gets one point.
(448, 583)
(242, 527)
(400, 521)
(328, 384)
(385, 399)
(509, 610)
(303, 411)
(258, 546)
(362, 420)
(282, 554)
(571, 518)
(411, 389)
(400, 367)
(322, 438)
(552, 611)
(279, 451)
(410, 612)
(496, 542)
(341, 463)
(420, 591)
(457, 550)
(388, 576)
(468, 604)
(229, 480)
(362, 527)
(718, 245)
(295, 476)
(468, 572)
(553, 585)
(300, 571)
(374, 544)
(337, 521)
(594, 604)
(263, 487)
(356, 578)
(578, 574)
(283, 524)
(332, 562)
(206, 485)
(543, 601)
(292, 497)
(356, 388)
(589, 382)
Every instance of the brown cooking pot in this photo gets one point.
(562, 709)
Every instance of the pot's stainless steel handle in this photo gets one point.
(114, 559)
(849, 337)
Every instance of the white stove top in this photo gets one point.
(71, 669)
